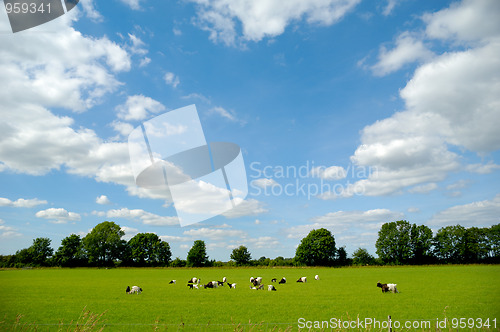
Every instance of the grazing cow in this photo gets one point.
(231, 285)
(172, 282)
(191, 286)
(388, 287)
(134, 289)
(220, 283)
(273, 280)
(393, 288)
(209, 285)
(302, 279)
(194, 280)
(257, 281)
(316, 277)
(282, 281)
(271, 288)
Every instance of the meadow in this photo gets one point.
(58, 299)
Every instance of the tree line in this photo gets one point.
(398, 243)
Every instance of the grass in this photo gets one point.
(89, 299)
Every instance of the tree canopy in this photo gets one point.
(316, 249)
(104, 244)
(147, 249)
(241, 256)
(197, 255)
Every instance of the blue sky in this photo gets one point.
(349, 114)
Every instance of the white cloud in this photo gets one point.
(58, 215)
(90, 11)
(265, 18)
(468, 20)
(137, 45)
(21, 202)
(172, 79)
(329, 173)
(145, 217)
(133, 4)
(8, 232)
(214, 233)
(264, 183)
(452, 99)
(130, 232)
(479, 214)
(391, 4)
(483, 168)
(138, 107)
(123, 128)
(69, 71)
(423, 189)
(460, 184)
(408, 49)
(172, 238)
(103, 199)
(224, 113)
(248, 207)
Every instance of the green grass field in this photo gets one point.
(54, 299)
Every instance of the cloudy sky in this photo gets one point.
(349, 114)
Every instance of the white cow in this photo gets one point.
(134, 289)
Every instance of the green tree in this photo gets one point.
(149, 249)
(22, 258)
(241, 256)
(316, 249)
(420, 244)
(449, 244)
(103, 244)
(493, 236)
(341, 257)
(393, 243)
(475, 242)
(362, 257)
(197, 255)
(40, 251)
(70, 253)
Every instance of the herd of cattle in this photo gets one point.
(256, 284)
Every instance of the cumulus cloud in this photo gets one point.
(451, 100)
(478, 214)
(408, 49)
(264, 183)
(69, 71)
(138, 107)
(21, 202)
(329, 173)
(172, 79)
(265, 18)
(133, 4)
(145, 217)
(248, 207)
(103, 199)
(469, 20)
(214, 233)
(8, 232)
(58, 215)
